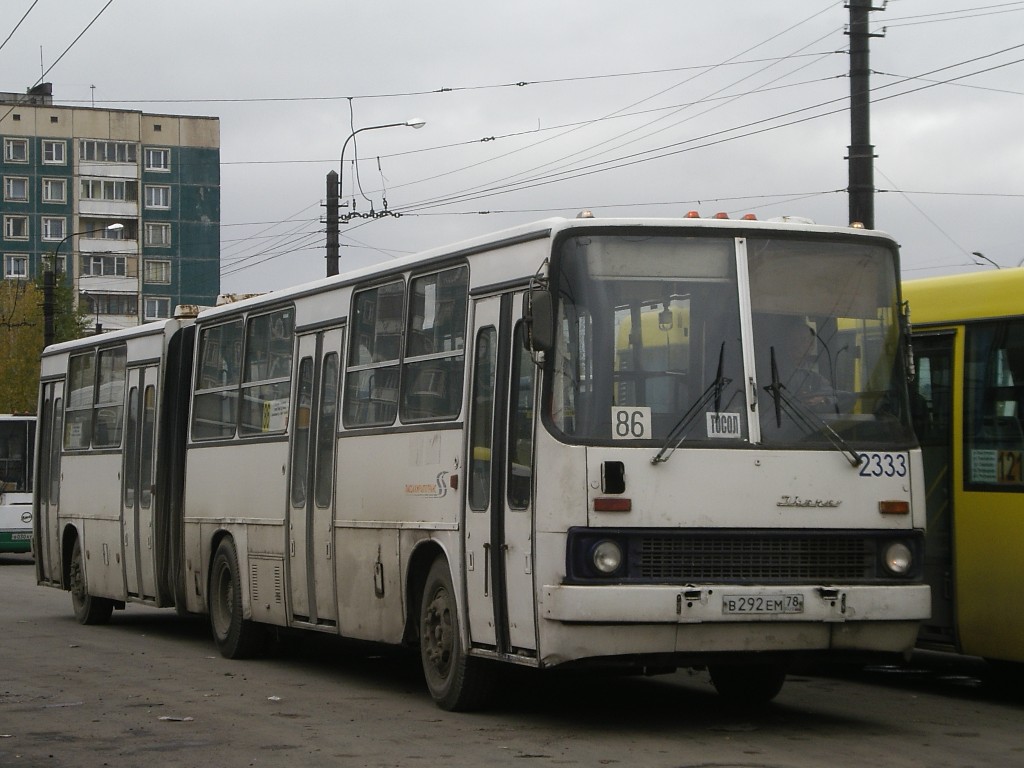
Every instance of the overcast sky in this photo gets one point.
(539, 108)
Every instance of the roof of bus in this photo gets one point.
(135, 331)
(545, 228)
(968, 296)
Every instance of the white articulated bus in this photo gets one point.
(575, 441)
(17, 436)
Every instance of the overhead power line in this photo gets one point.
(711, 139)
(443, 89)
(24, 16)
(55, 63)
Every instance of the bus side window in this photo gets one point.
(108, 418)
(434, 358)
(992, 401)
(81, 383)
(266, 373)
(215, 403)
(375, 348)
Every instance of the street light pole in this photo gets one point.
(334, 195)
(49, 279)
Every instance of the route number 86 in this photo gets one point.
(633, 423)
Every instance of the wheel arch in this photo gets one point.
(67, 544)
(422, 558)
(220, 535)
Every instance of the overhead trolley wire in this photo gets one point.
(22, 19)
(55, 63)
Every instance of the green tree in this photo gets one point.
(21, 338)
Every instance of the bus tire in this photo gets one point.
(88, 609)
(456, 681)
(748, 684)
(235, 637)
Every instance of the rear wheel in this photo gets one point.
(236, 638)
(456, 681)
(748, 684)
(88, 609)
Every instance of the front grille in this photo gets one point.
(746, 557)
(739, 556)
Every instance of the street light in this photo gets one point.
(334, 190)
(49, 280)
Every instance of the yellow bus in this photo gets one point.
(968, 408)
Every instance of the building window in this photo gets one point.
(103, 265)
(109, 303)
(16, 267)
(157, 271)
(16, 227)
(158, 196)
(158, 235)
(15, 189)
(110, 189)
(55, 190)
(107, 151)
(158, 159)
(157, 307)
(16, 150)
(53, 152)
(53, 228)
(96, 229)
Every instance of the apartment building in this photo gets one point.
(125, 205)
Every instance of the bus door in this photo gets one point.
(311, 483)
(932, 408)
(499, 498)
(137, 481)
(47, 487)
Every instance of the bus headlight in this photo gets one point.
(898, 558)
(606, 556)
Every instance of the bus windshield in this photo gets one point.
(650, 342)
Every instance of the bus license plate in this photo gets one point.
(21, 536)
(762, 604)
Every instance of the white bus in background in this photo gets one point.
(573, 442)
(17, 438)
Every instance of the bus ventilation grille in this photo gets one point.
(762, 558)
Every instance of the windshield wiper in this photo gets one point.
(806, 418)
(678, 433)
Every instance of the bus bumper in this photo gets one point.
(653, 619)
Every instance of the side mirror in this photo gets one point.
(540, 324)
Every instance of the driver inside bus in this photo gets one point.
(795, 358)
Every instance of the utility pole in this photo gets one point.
(861, 152)
(334, 191)
(49, 282)
(332, 223)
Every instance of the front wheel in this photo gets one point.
(88, 609)
(456, 681)
(748, 684)
(235, 637)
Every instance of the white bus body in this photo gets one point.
(17, 437)
(574, 441)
